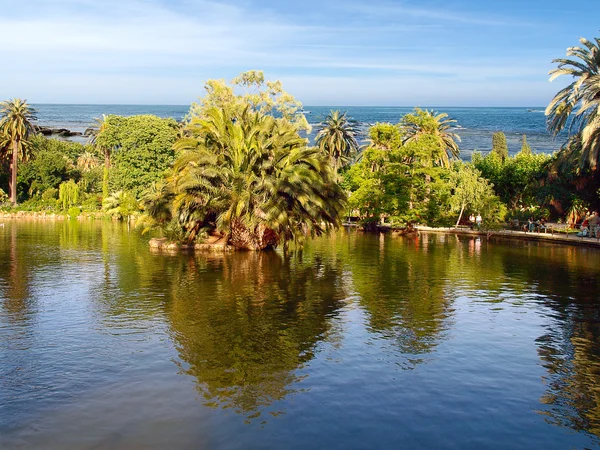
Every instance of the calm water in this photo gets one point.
(361, 342)
(477, 124)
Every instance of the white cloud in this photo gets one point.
(150, 52)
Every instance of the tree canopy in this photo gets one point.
(577, 106)
(140, 148)
(249, 175)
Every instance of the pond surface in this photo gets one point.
(362, 341)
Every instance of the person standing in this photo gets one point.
(478, 220)
(593, 222)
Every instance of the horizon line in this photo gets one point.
(304, 105)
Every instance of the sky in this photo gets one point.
(327, 52)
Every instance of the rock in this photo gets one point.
(157, 242)
(90, 131)
(62, 132)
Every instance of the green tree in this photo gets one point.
(47, 170)
(138, 150)
(499, 145)
(16, 127)
(68, 194)
(337, 138)
(516, 180)
(525, 147)
(385, 136)
(469, 190)
(250, 176)
(120, 204)
(102, 138)
(437, 129)
(578, 104)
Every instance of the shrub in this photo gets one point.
(74, 211)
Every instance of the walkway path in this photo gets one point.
(561, 238)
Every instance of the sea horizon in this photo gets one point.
(303, 105)
(476, 124)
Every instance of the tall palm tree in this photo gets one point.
(251, 177)
(437, 127)
(16, 126)
(578, 104)
(337, 138)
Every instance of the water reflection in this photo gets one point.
(86, 305)
(570, 352)
(15, 278)
(245, 324)
(402, 288)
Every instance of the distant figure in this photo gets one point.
(593, 222)
(478, 220)
(584, 229)
(472, 220)
(531, 224)
(541, 225)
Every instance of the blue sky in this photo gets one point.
(328, 52)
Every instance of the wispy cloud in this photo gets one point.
(403, 10)
(166, 45)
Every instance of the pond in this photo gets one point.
(361, 341)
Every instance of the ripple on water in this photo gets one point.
(361, 341)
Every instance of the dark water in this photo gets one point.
(477, 124)
(361, 342)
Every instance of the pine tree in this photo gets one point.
(525, 147)
(499, 146)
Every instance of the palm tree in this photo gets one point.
(437, 127)
(16, 126)
(87, 161)
(337, 138)
(578, 104)
(251, 177)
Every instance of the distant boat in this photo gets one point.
(304, 111)
(535, 110)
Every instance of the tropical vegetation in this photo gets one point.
(337, 138)
(247, 175)
(241, 167)
(16, 126)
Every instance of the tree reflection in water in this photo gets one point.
(245, 324)
(401, 286)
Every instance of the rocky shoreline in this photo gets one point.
(63, 132)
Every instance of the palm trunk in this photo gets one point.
(13, 172)
(105, 175)
(462, 209)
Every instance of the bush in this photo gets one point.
(120, 204)
(74, 211)
(91, 202)
(50, 194)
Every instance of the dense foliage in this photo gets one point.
(577, 106)
(140, 148)
(406, 176)
(248, 175)
(240, 168)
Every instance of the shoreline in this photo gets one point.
(557, 238)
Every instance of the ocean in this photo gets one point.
(476, 125)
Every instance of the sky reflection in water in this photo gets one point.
(360, 341)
